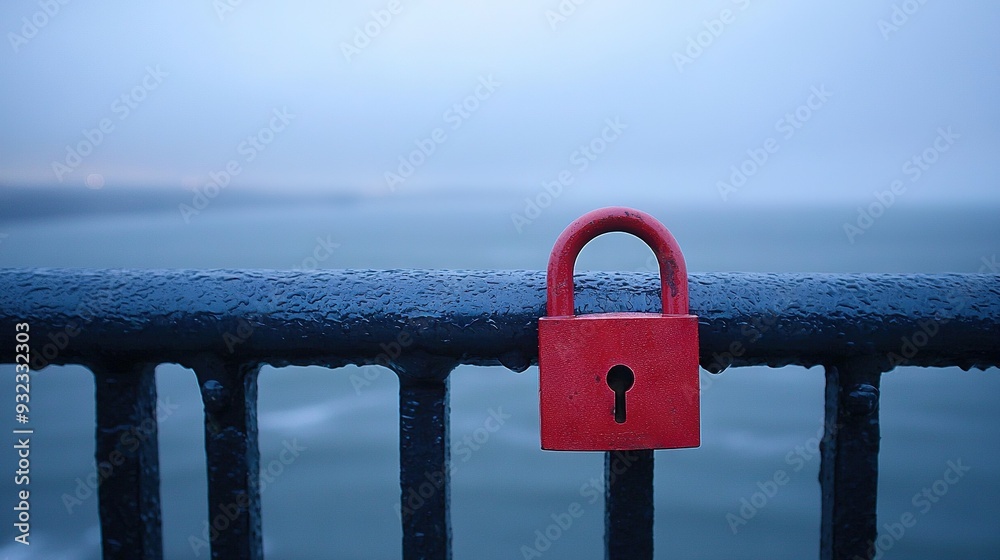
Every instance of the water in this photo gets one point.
(338, 496)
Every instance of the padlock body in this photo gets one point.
(575, 354)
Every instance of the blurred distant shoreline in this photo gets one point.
(41, 202)
(33, 203)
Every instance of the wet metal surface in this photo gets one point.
(422, 323)
(127, 461)
(424, 469)
(491, 317)
(628, 505)
(229, 391)
(849, 470)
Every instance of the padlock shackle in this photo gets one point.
(673, 272)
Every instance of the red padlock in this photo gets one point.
(618, 381)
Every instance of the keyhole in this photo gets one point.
(620, 379)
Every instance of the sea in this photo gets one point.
(339, 494)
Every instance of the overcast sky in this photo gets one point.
(833, 100)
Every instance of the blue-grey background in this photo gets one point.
(896, 74)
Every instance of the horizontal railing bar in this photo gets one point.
(482, 317)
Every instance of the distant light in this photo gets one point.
(95, 181)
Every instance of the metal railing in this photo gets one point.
(121, 324)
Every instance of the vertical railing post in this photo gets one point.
(127, 456)
(849, 470)
(628, 505)
(424, 458)
(229, 391)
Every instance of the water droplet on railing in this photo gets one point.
(515, 361)
(215, 395)
(862, 400)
